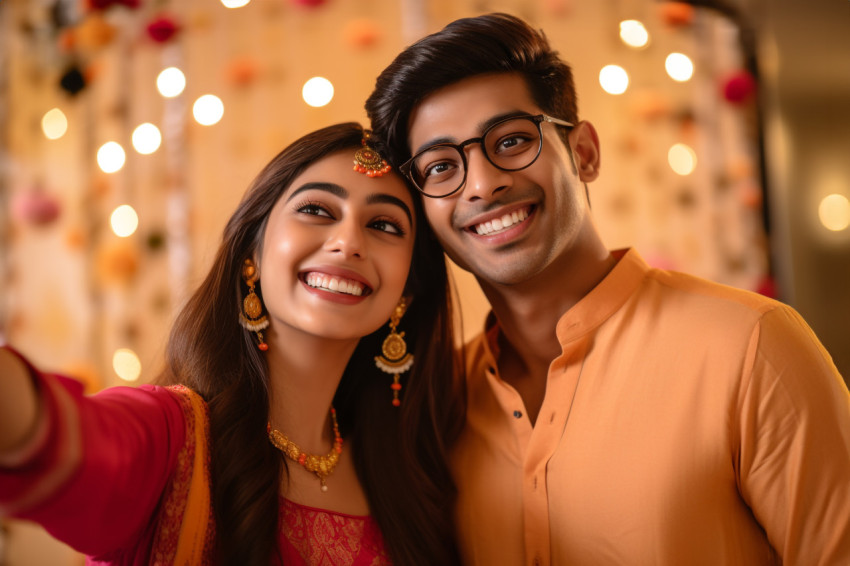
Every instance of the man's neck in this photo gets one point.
(529, 312)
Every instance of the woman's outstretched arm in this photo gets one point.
(18, 403)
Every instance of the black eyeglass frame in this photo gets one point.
(460, 148)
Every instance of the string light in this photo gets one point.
(146, 138)
(124, 221)
(126, 364)
(208, 110)
(171, 82)
(679, 66)
(317, 92)
(111, 157)
(682, 159)
(614, 79)
(235, 3)
(634, 34)
(54, 124)
(834, 212)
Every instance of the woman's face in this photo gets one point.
(336, 251)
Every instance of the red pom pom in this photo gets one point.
(739, 87)
(677, 14)
(767, 287)
(308, 3)
(162, 29)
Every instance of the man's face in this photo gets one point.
(504, 227)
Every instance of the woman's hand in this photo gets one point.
(18, 403)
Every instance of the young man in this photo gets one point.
(617, 414)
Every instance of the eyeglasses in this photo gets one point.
(511, 144)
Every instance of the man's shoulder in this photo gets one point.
(683, 290)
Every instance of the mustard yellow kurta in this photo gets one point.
(684, 423)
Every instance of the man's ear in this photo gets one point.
(585, 144)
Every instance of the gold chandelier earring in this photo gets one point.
(252, 317)
(395, 359)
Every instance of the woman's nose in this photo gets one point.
(347, 239)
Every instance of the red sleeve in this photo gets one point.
(95, 471)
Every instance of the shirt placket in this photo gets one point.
(562, 382)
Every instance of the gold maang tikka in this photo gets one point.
(395, 358)
(369, 161)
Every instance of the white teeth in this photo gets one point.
(335, 284)
(503, 223)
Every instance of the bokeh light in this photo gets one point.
(171, 82)
(126, 364)
(679, 66)
(111, 157)
(146, 138)
(634, 34)
(834, 212)
(54, 124)
(682, 159)
(317, 92)
(124, 221)
(208, 110)
(614, 79)
(235, 3)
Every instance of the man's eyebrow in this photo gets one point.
(481, 127)
(389, 199)
(332, 188)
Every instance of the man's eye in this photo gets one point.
(437, 168)
(512, 143)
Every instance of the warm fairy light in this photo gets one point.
(54, 124)
(614, 79)
(682, 159)
(318, 91)
(679, 66)
(146, 138)
(834, 212)
(235, 3)
(171, 82)
(111, 157)
(208, 110)
(126, 364)
(633, 33)
(124, 221)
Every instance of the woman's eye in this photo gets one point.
(314, 210)
(388, 226)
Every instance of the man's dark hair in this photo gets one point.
(492, 43)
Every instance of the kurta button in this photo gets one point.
(518, 414)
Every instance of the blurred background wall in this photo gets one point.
(728, 160)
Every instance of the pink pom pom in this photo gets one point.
(35, 207)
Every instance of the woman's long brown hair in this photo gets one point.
(399, 452)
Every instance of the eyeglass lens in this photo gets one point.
(510, 145)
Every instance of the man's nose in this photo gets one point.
(483, 179)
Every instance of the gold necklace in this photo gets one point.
(322, 466)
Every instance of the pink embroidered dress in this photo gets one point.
(123, 477)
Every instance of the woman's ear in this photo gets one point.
(585, 143)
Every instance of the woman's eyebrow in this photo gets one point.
(389, 199)
(332, 188)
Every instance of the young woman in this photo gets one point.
(300, 433)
